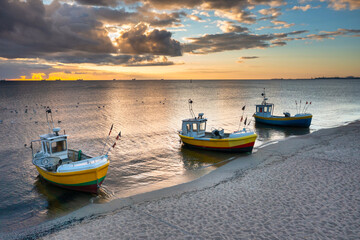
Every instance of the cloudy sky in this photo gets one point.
(179, 39)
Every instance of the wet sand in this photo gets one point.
(306, 187)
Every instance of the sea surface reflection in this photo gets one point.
(149, 155)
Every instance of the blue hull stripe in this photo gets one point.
(290, 123)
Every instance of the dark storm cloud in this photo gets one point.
(24, 13)
(112, 3)
(11, 69)
(124, 60)
(227, 41)
(211, 43)
(210, 4)
(149, 60)
(251, 57)
(149, 64)
(34, 31)
(142, 14)
(284, 35)
(333, 34)
(141, 40)
(278, 44)
(232, 9)
(241, 59)
(228, 26)
(80, 57)
(76, 34)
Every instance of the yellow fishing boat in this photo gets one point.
(64, 167)
(193, 133)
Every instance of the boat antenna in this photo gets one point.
(107, 139)
(265, 98)
(190, 108)
(49, 121)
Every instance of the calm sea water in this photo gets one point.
(149, 113)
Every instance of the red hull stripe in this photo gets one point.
(83, 188)
(235, 147)
(88, 188)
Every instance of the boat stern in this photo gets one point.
(75, 177)
(239, 143)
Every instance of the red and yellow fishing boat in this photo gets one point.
(193, 133)
(64, 167)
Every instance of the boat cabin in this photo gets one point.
(264, 110)
(54, 145)
(194, 127)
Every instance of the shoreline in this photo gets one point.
(318, 148)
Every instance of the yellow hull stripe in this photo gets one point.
(75, 178)
(219, 143)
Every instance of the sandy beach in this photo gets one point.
(302, 188)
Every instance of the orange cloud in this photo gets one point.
(37, 76)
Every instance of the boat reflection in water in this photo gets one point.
(268, 133)
(194, 158)
(60, 201)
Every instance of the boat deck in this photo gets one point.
(51, 164)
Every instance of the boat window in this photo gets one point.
(58, 146)
(188, 127)
(202, 126)
(260, 110)
(265, 109)
(194, 126)
(43, 146)
(48, 147)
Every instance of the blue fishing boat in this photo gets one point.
(264, 114)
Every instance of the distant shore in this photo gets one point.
(81, 80)
(304, 187)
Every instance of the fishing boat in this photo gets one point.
(71, 169)
(193, 134)
(264, 115)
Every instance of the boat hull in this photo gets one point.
(86, 180)
(303, 121)
(242, 144)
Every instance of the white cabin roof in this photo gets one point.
(195, 120)
(266, 104)
(52, 136)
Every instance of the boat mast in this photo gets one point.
(49, 121)
(190, 108)
(265, 98)
(264, 102)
